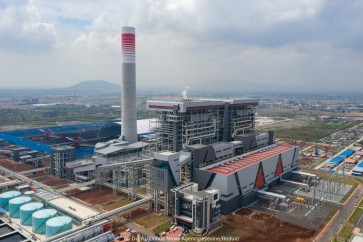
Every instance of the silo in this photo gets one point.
(27, 210)
(16, 203)
(39, 218)
(58, 225)
(6, 197)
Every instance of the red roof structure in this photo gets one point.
(249, 159)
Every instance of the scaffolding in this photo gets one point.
(126, 175)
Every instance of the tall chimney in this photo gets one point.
(128, 95)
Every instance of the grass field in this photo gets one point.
(161, 228)
(331, 215)
(361, 203)
(345, 232)
(152, 220)
(353, 219)
(311, 132)
(118, 204)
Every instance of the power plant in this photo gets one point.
(193, 160)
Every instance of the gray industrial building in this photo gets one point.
(199, 210)
(188, 122)
(60, 156)
(212, 144)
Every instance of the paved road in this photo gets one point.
(345, 210)
(141, 230)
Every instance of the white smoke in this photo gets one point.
(184, 92)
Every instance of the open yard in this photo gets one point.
(15, 166)
(52, 181)
(152, 220)
(250, 225)
(310, 131)
(117, 204)
(102, 196)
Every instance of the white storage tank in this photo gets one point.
(105, 237)
(58, 225)
(27, 210)
(16, 203)
(88, 233)
(29, 193)
(6, 197)
(39, 219)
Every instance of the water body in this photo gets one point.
(4, 229)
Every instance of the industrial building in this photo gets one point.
(187, 122)
(60, 156)
(196, 209)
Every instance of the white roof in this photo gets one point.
(357, 238)
(72, 208)
(144, 126)
(195, 103)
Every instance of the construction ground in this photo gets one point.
(102, 198)
(15, 166)
(253, 226)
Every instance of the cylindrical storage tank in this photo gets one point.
(58, 225)
(29, 193)
(16, 203)
(88, 233)
(106, 237)
(6, 197)
(27, 210)
(39, 218)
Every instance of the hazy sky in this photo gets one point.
(220, 45)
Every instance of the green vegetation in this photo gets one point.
(330, 216)
(288, 113)
(49, 115)
(312, 132)
(152, 220)
(345, 232)
(118, 204)
(162, 228)
(355, 216)
(349, 193)
(361, 203)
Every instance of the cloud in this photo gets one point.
(22, 30)
(282, 44)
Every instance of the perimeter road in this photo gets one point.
(345, 210)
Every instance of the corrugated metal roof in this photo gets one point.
(347, 153)
(336, 160)
(249, 159)
(144, 126)
(348, 160)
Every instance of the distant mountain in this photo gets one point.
(95, 86)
